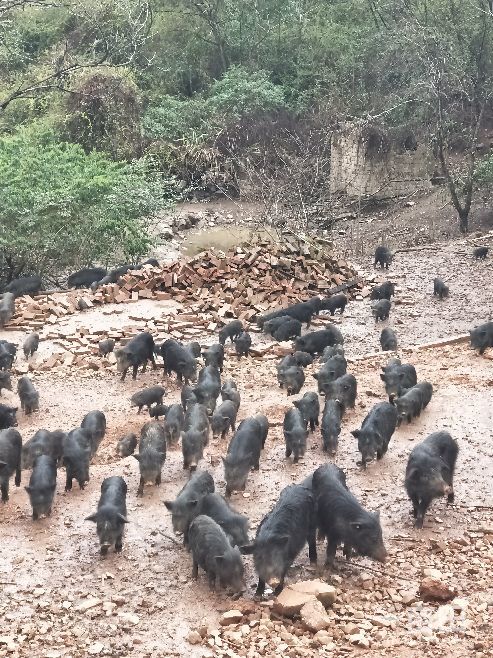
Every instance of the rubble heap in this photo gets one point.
(240, 283)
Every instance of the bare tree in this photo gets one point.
(454, 85)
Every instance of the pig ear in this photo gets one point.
(315, 375)
(169, 504)
(137, 457)
(247, 549)
(356, 433)
(382, 376)
(92, 517)
(122, 518)
(297, 402)
(28, 489)
(413, 473)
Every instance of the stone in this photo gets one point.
(130, 617)
(433, 573)
(289, 602)
(231, 617)
(324, 639)
(408, 597)
(324, 592)
(361, 640)
(88, 604)
(194, 637)
(95, 648)
(444, 616)
(314, 617)
(432, 589)
(351, 629)
(460, 604)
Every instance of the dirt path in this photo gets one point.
(58, 597)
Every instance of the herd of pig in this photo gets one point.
(215, 534)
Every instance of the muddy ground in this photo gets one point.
(60, 598)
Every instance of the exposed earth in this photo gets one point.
(60, 598)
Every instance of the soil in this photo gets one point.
(59, 597)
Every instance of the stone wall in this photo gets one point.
(392, 170)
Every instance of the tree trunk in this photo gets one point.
(464, 221)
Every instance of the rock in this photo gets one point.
(130, 617)
(408, 597)
(324, 592)
(95, 648)
(460, 604)
(289, 602)
(324, 639)
(231, 617)
(360, 639)
(432, 589)
(433, 573)
(88, 604)
(166, 233)
(442, 617)
(194, 637)
(314, 617)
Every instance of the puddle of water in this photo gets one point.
(222, 238)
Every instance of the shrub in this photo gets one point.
(64, 208)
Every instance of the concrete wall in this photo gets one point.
(384, 174)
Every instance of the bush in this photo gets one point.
(175, 119)
(237, 96)
(484, 171)
(62, 208)
(241, 93)
(103, 113)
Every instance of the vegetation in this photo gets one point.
(61, 207)
(208, 88)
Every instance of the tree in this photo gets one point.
(88, 35)
(62, 208)
(103, 113)
(447, 85)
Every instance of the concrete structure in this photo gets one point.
(366, 161)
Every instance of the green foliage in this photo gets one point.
(484, 171)
(241, 93)
(175, 119)
(237, 95)
(103, 113)
(192, 82)
(63, 208)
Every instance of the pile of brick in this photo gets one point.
(241, 283)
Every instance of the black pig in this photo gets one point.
(111, 516)
(430, 472)
(281, 536)
(342, 520)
